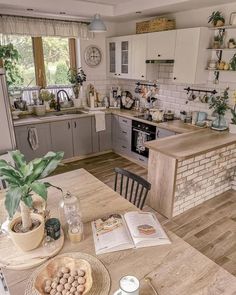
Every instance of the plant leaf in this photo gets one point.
(47, 184)
(53, 160)
(28, 201)
(40, 189)
(12, 200)
(18, 158)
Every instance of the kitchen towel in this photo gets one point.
(100, 121)
(33, 138)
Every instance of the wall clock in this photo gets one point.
(93, 56)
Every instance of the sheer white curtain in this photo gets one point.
(37, 27)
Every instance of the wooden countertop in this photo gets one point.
(185, 146)
(175, 269)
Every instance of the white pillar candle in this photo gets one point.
(129, 285)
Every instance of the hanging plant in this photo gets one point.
(10, 57)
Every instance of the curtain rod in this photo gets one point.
(41, 18)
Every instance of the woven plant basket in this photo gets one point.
(155, 25)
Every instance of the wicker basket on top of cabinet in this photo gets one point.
(155, 25)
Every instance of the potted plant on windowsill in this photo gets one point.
(220, 105)
(232, 124)
(26, 230)
(76, 77)
(217, 19)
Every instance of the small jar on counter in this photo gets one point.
(75, 231)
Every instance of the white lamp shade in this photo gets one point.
(97, 25)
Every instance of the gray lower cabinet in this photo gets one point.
(102, 141)
(82, 136)
(105, 136)
(44, 139)
(62, 137)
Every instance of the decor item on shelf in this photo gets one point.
(216, 42)
(76, 77)
(212, 65)
(9, 56)
(40, 109)
(97, 25)
(126, 100)
(232, 20)
(231, 43)
(46, 96)
(220, 105)
(27, 230)
(226, 66)
(217, 19)
(221, 65)
(232, 124)
(155, 25)
(232, 63)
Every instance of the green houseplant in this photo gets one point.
(220, 105)
(23, 178)
(217, 19)
(76, 77)
(232, 124)
(10, 57)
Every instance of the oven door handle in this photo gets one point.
(137, 130)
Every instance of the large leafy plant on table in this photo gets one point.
(23, 179)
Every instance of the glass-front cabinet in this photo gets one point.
(119, 57)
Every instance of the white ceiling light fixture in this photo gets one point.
(97, 25)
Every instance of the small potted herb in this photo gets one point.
(27, 229)
(232, 124)
(76, 77)
(220, 105)
(231, 43)
(217, 42)
(232, 63)
(46, 96)
(217, 19)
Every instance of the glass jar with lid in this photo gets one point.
(69, 208)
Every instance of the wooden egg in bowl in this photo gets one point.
(65, 275)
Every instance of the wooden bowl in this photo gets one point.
(52, 267)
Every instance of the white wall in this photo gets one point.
(184, 19)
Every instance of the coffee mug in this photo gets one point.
(129, 285)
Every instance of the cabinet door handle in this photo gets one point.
(175, 78)
(140, 159)
(158, 133)
(124, 132)
(159, 55)
(118, 74)
(68, 125)
(142, 76)
(124, 147)
(115, 74)
(125, 121)
(75, 125)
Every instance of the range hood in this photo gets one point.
(159, 61)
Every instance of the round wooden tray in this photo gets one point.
(16, 259)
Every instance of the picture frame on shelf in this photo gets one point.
(232, 20)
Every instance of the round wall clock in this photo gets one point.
(93, 56)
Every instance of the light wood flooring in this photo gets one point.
(209, 227)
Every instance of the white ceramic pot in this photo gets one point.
(47, 105)
(29, 240)
(232, 128)
(40, 110)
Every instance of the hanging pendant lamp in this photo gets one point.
(97, 25)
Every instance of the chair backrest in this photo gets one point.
(133, 187)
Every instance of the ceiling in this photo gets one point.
(113, 10)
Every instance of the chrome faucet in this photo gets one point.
(58, 107)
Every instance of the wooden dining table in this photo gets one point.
(175, 269)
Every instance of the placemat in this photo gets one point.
(101, 277)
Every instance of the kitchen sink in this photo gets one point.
(65, 113)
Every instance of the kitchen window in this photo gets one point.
(44, 61)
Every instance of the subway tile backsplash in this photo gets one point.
(173, 96)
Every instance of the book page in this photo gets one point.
(145, 228)
(110, 233)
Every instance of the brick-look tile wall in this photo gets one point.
(204, 177)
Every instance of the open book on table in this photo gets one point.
(131, 230)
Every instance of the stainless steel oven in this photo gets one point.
(142, 132)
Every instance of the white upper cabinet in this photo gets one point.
(161, 45)
(119, 56)
(139, 56)
(191, 55)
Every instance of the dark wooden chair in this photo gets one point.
(132, 187)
